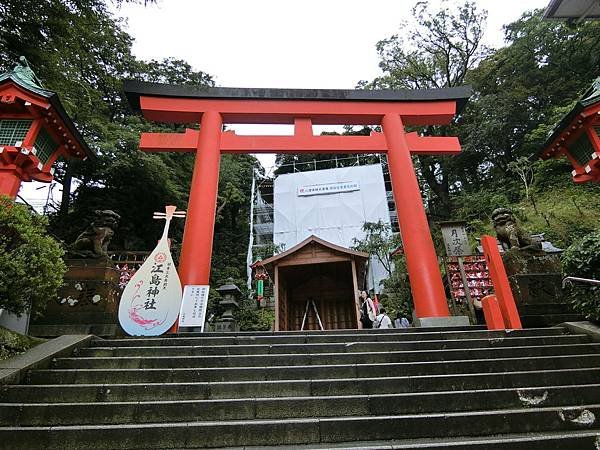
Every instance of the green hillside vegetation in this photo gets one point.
(558, 208)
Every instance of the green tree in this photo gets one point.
(436, 50)
(397, 295)
(82, 52)
(524, 88)
(31, 265)
(252, 319)
(379, 242)
(521, 91)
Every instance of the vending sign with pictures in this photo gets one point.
(150, 303)
(193, 306)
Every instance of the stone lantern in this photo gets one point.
(35, 131)
(230, 294)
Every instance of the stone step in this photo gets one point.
(98, 413)
(315, 337)
(70, 393)
(326, 332)
(562, 440)
(548, 320)
(546, 308)
(303, 431)
(380, 357)
(175, 375)
(398, 345)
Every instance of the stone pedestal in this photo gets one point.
(535, 280)
(88, 302)
(227, 321)
(226, 326)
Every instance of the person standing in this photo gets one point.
(367, 310)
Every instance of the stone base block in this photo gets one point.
(87, 302)
(536, 288)
(452, 321)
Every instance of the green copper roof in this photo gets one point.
(22, 75)
(590, 97)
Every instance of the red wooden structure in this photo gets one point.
(393, 110)
(35, 131)
(502, 292)
(318, 270)
(577, 136)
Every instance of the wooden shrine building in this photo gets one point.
(35, 131)
(321, 272)
(577, 136)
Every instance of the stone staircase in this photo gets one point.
(427, 388)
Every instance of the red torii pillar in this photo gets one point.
(214, 110)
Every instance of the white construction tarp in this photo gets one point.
(332, 204)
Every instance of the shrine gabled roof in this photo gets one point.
(134, 89)
(306, 242)
(590, 97)
(54, 101)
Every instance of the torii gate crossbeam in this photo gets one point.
(214, 107)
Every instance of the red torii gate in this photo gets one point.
(213, 107)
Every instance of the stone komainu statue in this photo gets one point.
(93, 242)
(510, 234)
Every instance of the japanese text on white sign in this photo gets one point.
(193, 306)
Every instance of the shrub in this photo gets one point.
(255, 319)
(31, 265)
(582, 259)
(397, 295)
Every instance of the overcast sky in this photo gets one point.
(282, 44)
(285, 44)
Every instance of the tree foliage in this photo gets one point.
(255, 319)
(524, 88)
(436, 50)
(31, 265)
(379, 242)
(582, 260)
(82, 52)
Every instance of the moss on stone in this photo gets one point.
(12, 343)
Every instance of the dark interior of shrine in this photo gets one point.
(329, 285)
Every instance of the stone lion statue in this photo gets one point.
(93, 242)
(510, 234)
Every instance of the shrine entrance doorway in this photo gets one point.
(313, 277)
(328, 285)
(213, 108)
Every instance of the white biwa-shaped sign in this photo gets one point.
(151, 300)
